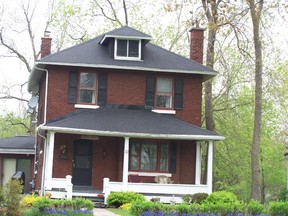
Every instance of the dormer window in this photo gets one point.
(127, 49)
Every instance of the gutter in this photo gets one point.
(131, 134)
(17, 151)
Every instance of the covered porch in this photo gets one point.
(117, 131)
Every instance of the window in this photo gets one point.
(87, 89)
(164, 93)
(149, 156)
(127, 49)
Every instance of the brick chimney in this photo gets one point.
(46, 44)
(196, 44)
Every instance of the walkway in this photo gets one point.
(103, 212)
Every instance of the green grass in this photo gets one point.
(120, 211)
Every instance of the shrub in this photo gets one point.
(30, 199)
(83, 203)
(254, 207)
(43, 203)
(12, 197)
(278, 208)
(283, 195)
(221, 197)
(126, 206)
(222, 202)
(199, 197)
(117, 199)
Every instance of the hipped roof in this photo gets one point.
(96, 55)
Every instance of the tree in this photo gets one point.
(256, 12)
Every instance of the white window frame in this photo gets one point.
(127, 57)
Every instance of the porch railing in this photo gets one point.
(166, 192)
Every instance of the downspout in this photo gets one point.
(44, 122)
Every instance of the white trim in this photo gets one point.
(129, 134)
(17, 151)
(198, 164)
(128, 44)
(210, 167)
(124, 37)
(164, 111)
(86, 106)
(125, 162)
(214, 73)
(151, 174)
(49, 161)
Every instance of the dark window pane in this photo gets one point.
(134, 158)
(121, 48)
(87, 96)
(133, 48)
(164, 100)
(149, 157)
(88, 80)
(164, 158)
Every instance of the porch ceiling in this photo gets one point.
(128, 122)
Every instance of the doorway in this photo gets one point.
(82, 162)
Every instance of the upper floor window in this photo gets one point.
(127, 49)
(87, 88)
(164, 93)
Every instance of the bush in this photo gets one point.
(278, 208)
(43, 203)
(83, 203)
(126, 206)
(12, 197)
(221, 197)
(283, 195)
(199, 197)
(255, 208)
(117, 199)
(222, 202)
(30, 199)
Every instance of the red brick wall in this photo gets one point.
(123, 88)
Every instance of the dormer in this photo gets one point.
(126, 43)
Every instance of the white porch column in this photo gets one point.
(198, 164)
(210, 167)
(125, 161)
(49, 160)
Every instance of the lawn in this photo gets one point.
(119, 211)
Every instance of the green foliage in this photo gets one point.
(278, 208)
(83, 203)
(30, 199)
(43, 203)
(199, 197)
(254, 207)
(117, 199)
(283, 195)
(221, 197)
(12, 197)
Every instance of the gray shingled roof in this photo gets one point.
(128, 122)
(92, 54)
(18, 145)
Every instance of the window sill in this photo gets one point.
(85, 106)
(151, 174)
(172, 112)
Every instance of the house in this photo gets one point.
(17, 154)
(118, 113)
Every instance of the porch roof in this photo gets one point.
(134, 123)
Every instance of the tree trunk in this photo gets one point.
(256, 11)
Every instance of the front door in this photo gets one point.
(82, 162)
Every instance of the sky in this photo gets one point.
(14, 75)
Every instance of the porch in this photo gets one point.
(111, 155)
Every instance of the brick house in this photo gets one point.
(118, 113)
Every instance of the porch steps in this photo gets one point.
(89, 193)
